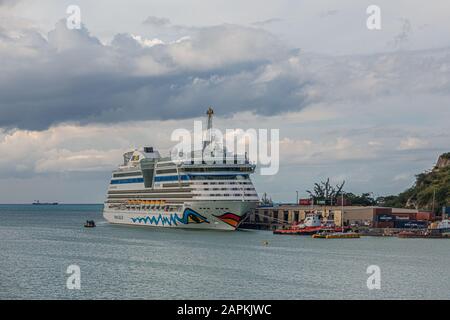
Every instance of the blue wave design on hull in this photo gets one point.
(189, 216)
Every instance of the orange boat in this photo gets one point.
(310, 226)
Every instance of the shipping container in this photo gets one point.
(412, 224)
(425, 215)
(384, 217)
(383, 210)
(384, 224)
(405, 215)
(305, 202)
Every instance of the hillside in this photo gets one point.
(420, 195)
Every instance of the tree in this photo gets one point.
(361, 200)
(324, 191)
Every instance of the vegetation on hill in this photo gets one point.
(365, 199)
(430, 184)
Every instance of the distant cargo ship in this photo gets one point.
(150, 190)
(38, 203)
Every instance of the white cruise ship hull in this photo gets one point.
(210, 215)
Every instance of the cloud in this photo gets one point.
(412, 143)
(72, 148)
(328, 13)
(156, 21)
(72, 76)
(266, 22)
(323, 151)
(8, 3)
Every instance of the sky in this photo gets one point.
(370, 107)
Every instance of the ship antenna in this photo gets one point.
(209, 113)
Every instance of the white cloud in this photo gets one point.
(412, 143)
(147, 42)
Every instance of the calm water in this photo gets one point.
(38, 243)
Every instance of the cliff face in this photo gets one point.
(443, 161)
(434, 183)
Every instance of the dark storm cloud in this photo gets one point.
(72, 76)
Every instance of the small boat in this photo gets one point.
(89, 224)
(336, 235)
(320, 235)
(423, 234)
(442, 226)
(341, 235)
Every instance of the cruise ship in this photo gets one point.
(155, 191)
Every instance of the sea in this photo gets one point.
(42, 249)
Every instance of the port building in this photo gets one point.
(280, 215)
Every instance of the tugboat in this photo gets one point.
(89, 224)
(310, 226)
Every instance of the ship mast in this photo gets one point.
(210, 138)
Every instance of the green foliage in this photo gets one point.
(429, 184)
(361, 200)
(446, 155)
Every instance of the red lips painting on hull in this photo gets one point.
(230, 218)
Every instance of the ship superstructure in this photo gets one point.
(150, 190)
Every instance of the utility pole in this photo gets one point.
(342, 211)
